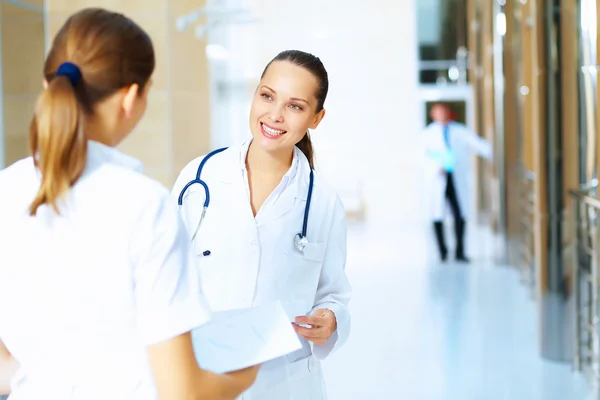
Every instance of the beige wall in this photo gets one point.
(176, 126)
(22, 32)
(190, 100)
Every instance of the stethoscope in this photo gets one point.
(300, 240)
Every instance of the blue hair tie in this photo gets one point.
(71, 71)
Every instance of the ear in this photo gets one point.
(318, 119)
(128, 102)
(45, 84)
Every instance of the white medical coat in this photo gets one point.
(253, 260)
(82, 295)
(464, 143)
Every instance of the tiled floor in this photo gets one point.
(422, 331)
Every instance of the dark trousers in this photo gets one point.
(459, 223)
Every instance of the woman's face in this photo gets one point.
(284, 107)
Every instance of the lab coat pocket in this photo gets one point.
(304, 268)
(315, 252)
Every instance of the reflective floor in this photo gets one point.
(423, 331)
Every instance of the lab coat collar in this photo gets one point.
(293, 194)
(231, 170)
(289, 175)
(295, 191)
(99, 153)
(302, 176)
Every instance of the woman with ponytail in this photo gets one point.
(98, 288)
(248, 242)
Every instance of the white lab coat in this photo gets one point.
(83, 294)
(254, 261)
(464, 144)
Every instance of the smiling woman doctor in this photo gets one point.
(272, 229)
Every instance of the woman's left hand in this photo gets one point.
(323, 323)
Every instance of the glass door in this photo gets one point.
(587, 90)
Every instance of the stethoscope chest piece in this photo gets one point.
(300, 241)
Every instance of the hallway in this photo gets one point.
(422, 331)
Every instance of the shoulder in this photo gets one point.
(462, 131)
(431, 129)
(134, 197)
(459, 126)
(20, 180)
(327, 194)
(323, 192)
(131, 195)
(22, 169)
(126, 181)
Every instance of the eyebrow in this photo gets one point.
(293, 98)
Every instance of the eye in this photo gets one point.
(296, 107)
(266, 96)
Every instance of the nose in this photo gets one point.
(276, 114)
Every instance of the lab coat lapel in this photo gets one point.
(294, 195)
(226, 173)
(284, 204)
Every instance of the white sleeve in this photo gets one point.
(334, 290)
(478, 144)
(169, 300)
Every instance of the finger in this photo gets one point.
(311, 333)
(318, 340)
(315, 321)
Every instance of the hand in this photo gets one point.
(443, 171)
(323, 323)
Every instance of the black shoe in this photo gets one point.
(444, 256)
(459, 226)
(462, 259)
(438, 228)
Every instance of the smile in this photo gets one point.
(271, 132)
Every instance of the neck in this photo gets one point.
(258, 160)
(96, 132)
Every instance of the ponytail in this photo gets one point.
(305, 145)
(57, 142)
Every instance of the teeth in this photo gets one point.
(272, 131)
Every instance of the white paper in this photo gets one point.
(295, 308)
(238, 339)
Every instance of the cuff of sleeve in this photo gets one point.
(160, 326)
(339, 337)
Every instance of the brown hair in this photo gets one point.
(315, 66)
(110, 52)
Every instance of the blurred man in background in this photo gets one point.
(449, 147)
